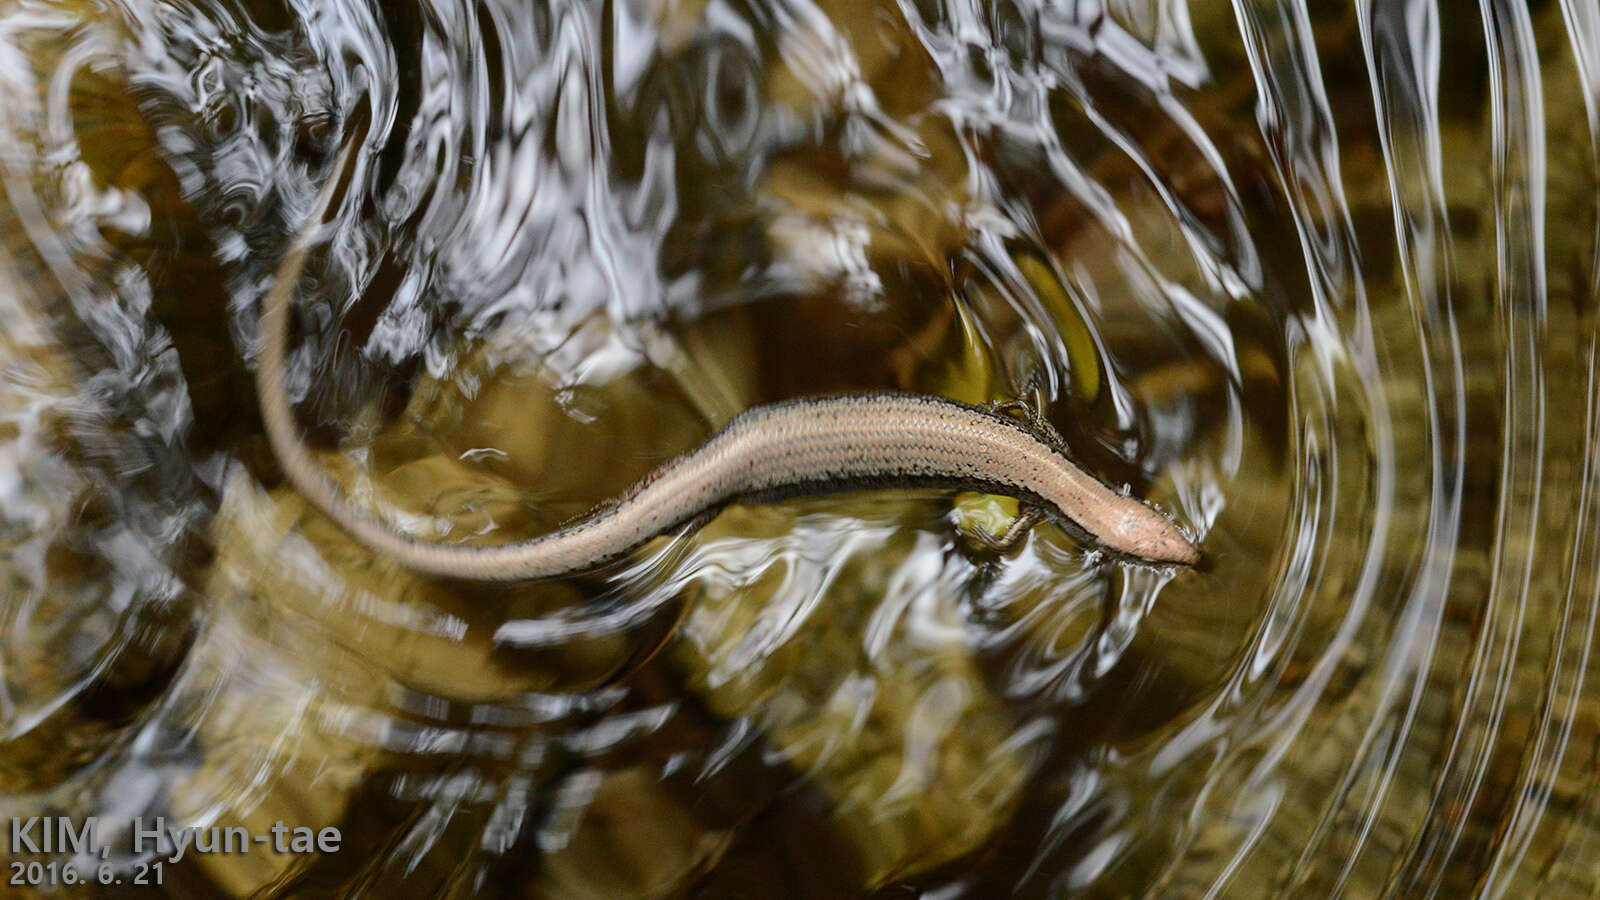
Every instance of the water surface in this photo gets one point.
(1317, 279)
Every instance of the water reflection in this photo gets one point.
(1318, 279)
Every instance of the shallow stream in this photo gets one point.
(1317, 279)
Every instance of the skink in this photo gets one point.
(800, 447)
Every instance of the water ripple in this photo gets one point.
(1319, 280)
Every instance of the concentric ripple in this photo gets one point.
(1318, 279)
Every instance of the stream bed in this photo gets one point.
(1319, 280)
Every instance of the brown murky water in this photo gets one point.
(1319, 279)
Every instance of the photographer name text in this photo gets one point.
(150, 842)
(43, 835)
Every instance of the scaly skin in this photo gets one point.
(801, 447)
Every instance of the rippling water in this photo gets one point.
(1318, 279)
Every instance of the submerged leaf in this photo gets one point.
(839, 642)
